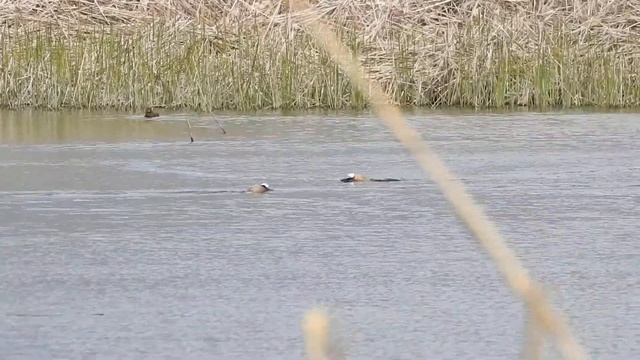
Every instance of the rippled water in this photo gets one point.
(119, 239)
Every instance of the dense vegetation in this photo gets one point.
(219, 54)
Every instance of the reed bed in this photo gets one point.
(244, 55)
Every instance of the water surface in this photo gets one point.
(119, 239)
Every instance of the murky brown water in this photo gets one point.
(119, 239)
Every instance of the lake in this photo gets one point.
(121, 240)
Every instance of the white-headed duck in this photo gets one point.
(360, 178)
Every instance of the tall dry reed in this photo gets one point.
(253, 55)
(543, 314)
(315, 327)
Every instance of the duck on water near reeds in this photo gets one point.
(149, 113)
(259, 189)
(361, 178)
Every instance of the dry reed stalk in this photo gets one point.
(315, 326)
(467, 210)
(534, 339)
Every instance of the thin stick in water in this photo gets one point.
(190, 134)
(221, 128)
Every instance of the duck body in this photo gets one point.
(259, 189)
(149, 113)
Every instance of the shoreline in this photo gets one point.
(408, 111)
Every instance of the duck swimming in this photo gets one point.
(149, 113)
(360, 178)
(259, 189)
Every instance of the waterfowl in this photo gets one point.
(360, 178)
(354, 178)
(259, 189)
(149, 113)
